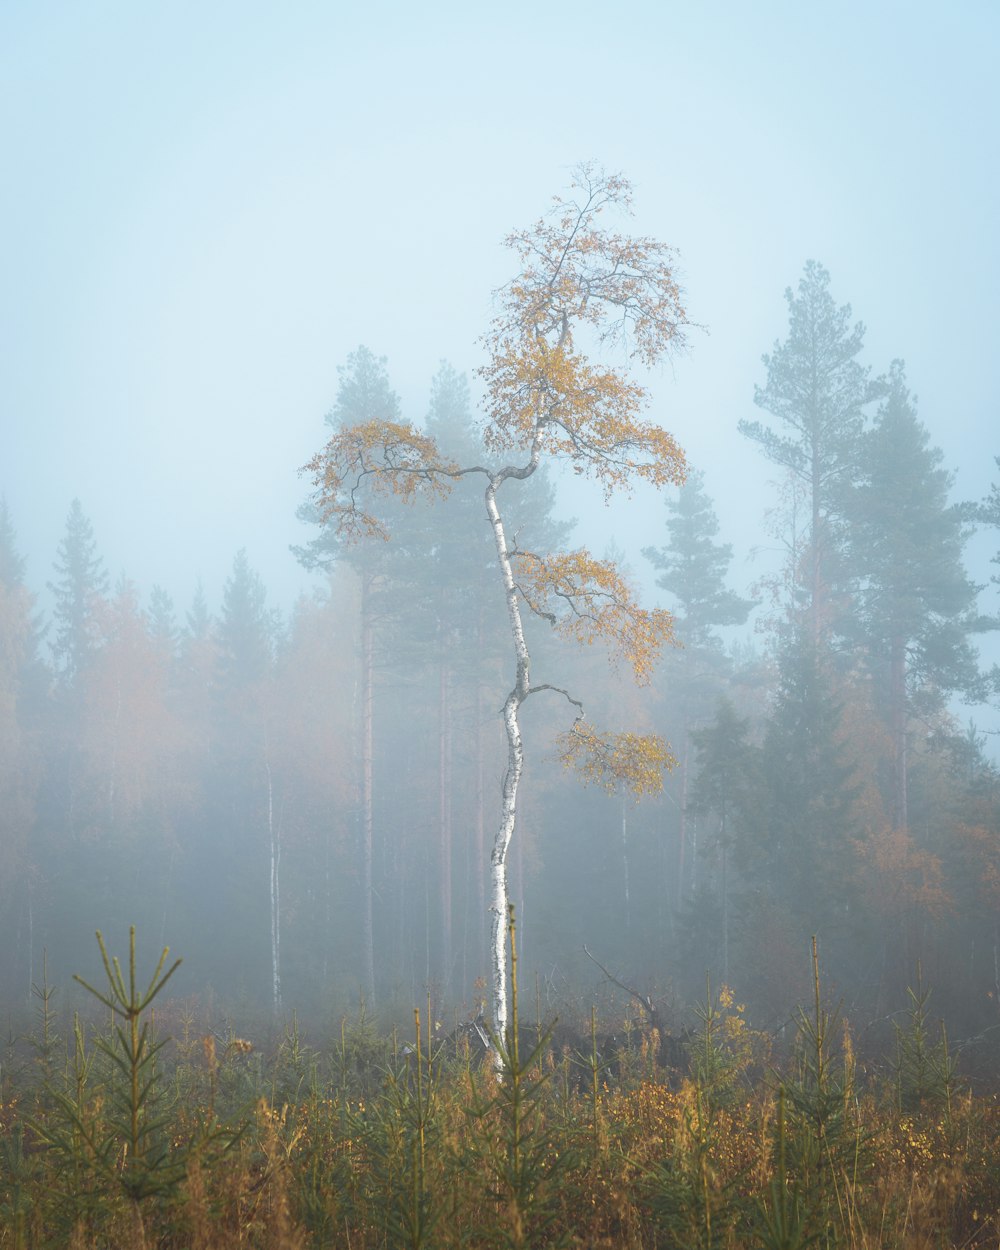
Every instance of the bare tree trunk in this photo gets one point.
(31, 944)
(682, 819)
(113, 768)
(725, 906)
(897, 681)
(996, 963)
(816, 612)
(444, 819)
(274, 835)
(628, 903)
(367, 822)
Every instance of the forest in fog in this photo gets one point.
(228, 780)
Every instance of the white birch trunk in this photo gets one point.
(515, 765)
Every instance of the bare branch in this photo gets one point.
(644, 1000)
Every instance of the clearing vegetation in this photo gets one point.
(117, 1140)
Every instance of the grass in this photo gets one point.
(111, 1137)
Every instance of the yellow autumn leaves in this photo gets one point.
(589, 600)
(575, 412)
(541, 392)
(633, 762)
(546, 399)
(373, 459)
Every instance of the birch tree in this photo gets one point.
(547, 400)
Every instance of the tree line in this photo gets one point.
(304, 808)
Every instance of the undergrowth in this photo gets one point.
(112, 1136)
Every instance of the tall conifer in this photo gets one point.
(913, 603)
(817, 390)
(81, 581)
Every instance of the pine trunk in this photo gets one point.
(897, 683)
(444, 823)
(274, 837)
(367, 798)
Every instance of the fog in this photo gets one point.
(208, 208)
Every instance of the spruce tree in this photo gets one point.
(248, 629)
(81, 582)
(913, 604)
(800, 826)
(198, 621)
(692, 570)
(162, 622)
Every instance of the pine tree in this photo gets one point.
(247, 638)
(723, 789)
(818, 391)
(363, 395)
(987, 512)
(451, 565)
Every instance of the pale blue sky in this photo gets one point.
(208, 205)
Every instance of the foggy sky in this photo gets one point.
(207, 207)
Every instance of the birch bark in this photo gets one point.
(515, 754)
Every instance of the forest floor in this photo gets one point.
(116, 1135)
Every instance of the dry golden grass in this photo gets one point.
(328, 1157)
